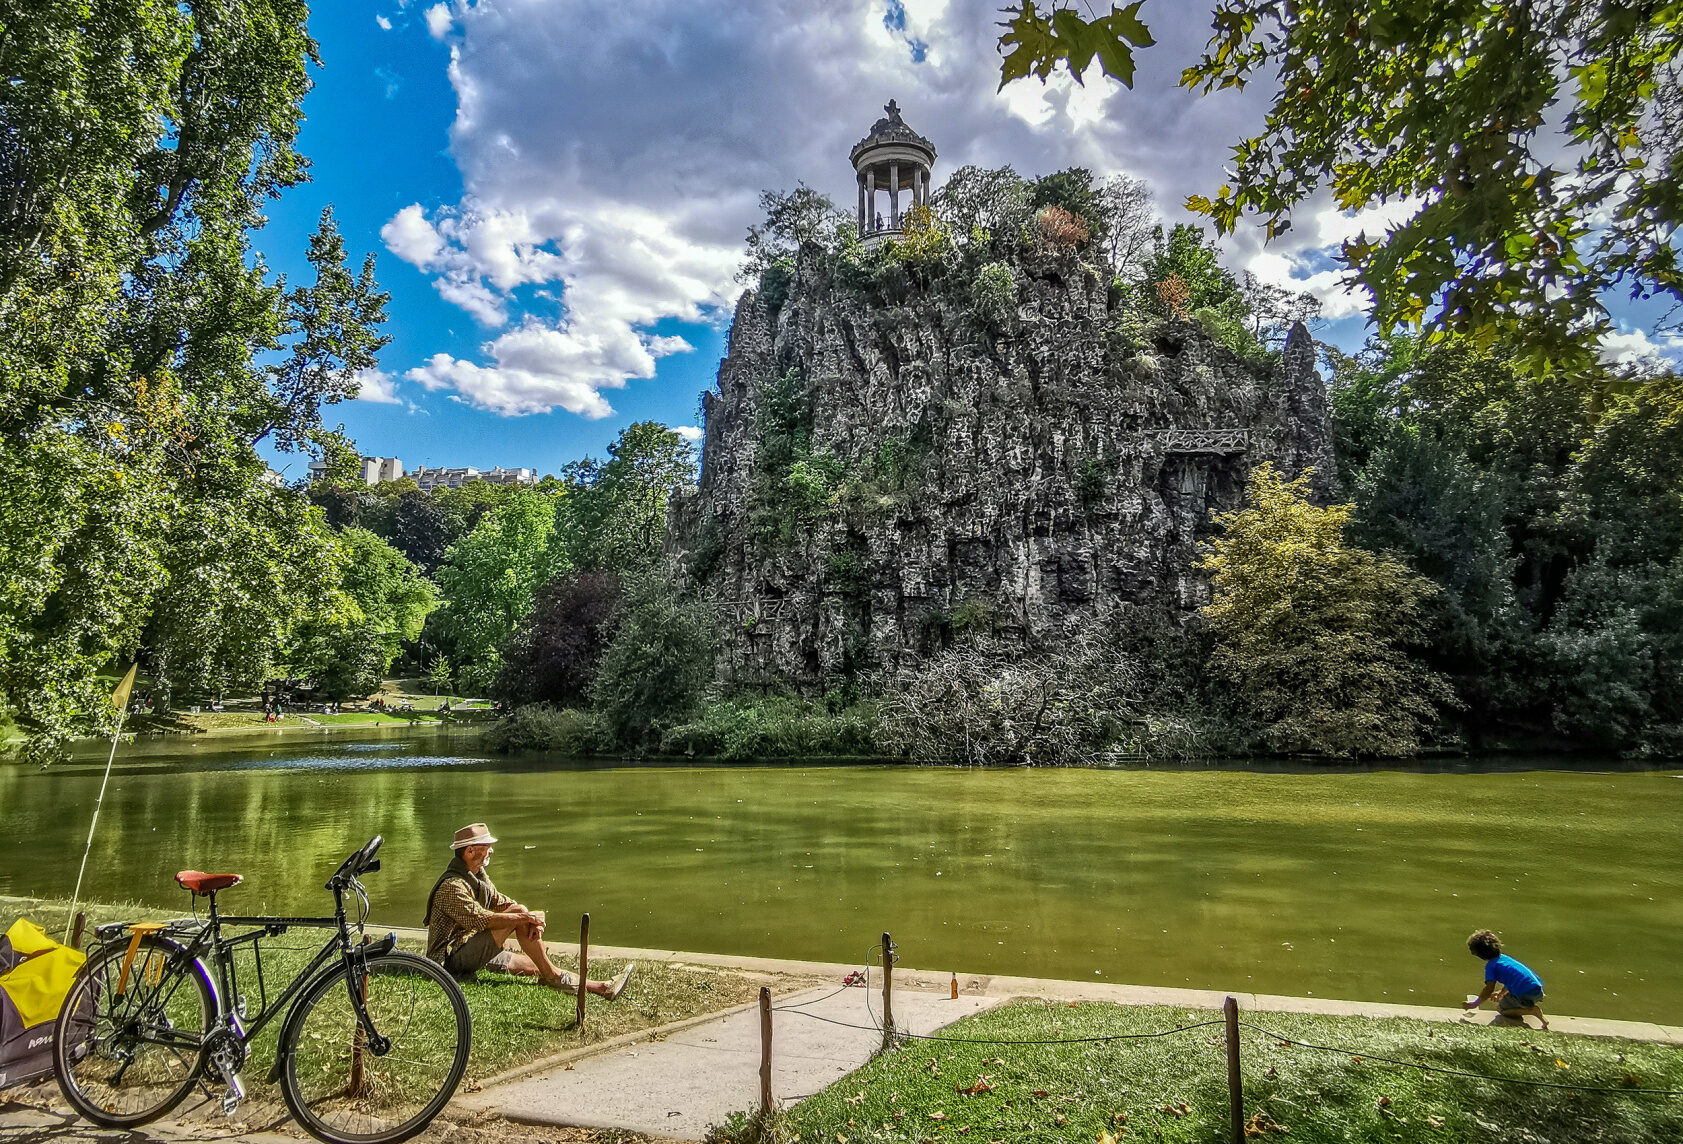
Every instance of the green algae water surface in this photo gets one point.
(1346, 885)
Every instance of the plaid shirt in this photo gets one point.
(462, 903)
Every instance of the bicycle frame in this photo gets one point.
(225, 982)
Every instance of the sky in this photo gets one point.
(557, 192)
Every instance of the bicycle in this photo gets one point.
(373, 1045)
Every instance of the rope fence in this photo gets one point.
(891, 1035)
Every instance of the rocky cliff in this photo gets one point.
(881, 466)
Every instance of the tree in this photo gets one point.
(1130, 222)
(423, 530)
(981, 200)
(791, 218)
(386, 602)
(1072, 190)
(439, 674)
(1310, 632)
(614, 514)
(659, 662)
(145, 350)
(553, 658)
(488, 579)
(1540, 144)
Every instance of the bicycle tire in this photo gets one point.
(142, 1032)
(409, 999)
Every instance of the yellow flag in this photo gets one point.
(120, 697)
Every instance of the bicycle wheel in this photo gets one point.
(131, 1032)
(338, 1090)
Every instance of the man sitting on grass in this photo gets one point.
(468, 922)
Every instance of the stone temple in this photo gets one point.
(882, 468)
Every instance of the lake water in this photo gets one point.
(1351, 885)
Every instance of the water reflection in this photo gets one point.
(1361, 884)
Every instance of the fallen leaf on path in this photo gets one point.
(1560, 1064)
(1383, 1101)
(937, 1115)
(1038, 1092)
(857, 1098)
(1105, 1137)
(1261, 1124)
(1060, 1120)
(982, 1085)
(1435, 1121)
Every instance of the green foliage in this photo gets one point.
(993, 294)
(984, 703)
(1184, 252)
(1540, 146)
(387, 601)
(489, 578)
(743, 730)
(145, 350)
(614, 514)
(1072, 190)
(1038, 42)
(544, 727)
(979, 199)
(1092, 481)
(1309, 632)
(792, 219)
(792, 485)
(657, 666)
(439, 674)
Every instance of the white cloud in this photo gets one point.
(378, 387)
(622, 178)
(439, 21)
(411, 237)
(385, 24)
(1633, 349)
(688, 432)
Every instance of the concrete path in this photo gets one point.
(699, 1075)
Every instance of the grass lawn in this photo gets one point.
(1175, 1088)
(514, 1020)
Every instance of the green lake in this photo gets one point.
(1356, 885)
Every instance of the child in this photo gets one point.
(1522, 989)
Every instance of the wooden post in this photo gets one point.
(76, 933)
(887, 990)
(765, 1055)
(584, 966)
(1235, 1093)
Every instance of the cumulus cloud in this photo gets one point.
(439, 21)
(385, 24)
(688, 432)
(1634, 350)
(613, 156)
(378, 387)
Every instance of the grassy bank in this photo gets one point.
(734, 730)
(514, 1020)
(1174, 1088)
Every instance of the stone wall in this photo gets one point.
(1040, 471)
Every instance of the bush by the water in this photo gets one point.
(545, 727)
(774, 727)
(658, 664)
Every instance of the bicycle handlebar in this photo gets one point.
(361, 862)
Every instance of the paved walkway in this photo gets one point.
(698, 1075)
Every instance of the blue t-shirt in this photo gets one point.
(1515, 976)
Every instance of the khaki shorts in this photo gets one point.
(481, 951)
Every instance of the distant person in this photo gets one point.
(1521, 988)
(468, 922)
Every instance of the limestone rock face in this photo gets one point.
(1030, 473)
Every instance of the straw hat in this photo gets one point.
(473, 834)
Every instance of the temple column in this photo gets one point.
(871, 197)
(860, 179)
(894, 195)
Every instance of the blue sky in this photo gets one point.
(557, 192)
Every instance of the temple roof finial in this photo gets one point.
(893, 109)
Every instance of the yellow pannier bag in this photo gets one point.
(38, 973)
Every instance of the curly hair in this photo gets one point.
(1485, 944)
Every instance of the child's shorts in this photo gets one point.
(1511, 1002)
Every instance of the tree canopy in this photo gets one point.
(145, 349)
(1539, 147)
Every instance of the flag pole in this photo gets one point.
(120, 698)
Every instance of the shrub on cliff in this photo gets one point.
(984, 703)
(1310, 633)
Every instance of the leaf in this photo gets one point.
(1076, 41)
